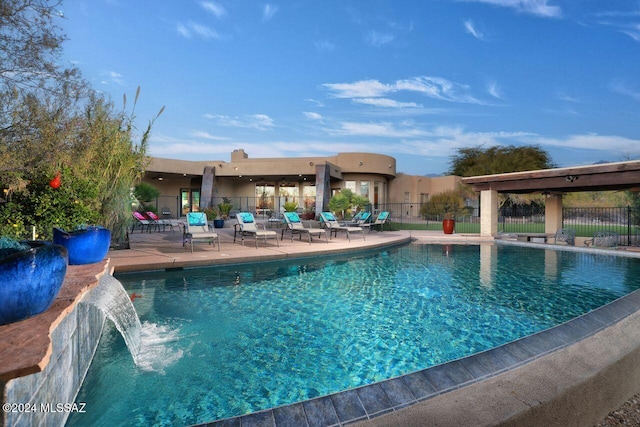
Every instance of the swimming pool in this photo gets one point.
(243, 338)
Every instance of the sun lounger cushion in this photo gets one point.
(246, 217)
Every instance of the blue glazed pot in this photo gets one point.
(30, 280)
(85, 246)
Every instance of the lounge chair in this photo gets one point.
(359, 219)
(296, 227)
(334, 226)
(567, 235)
(197, 228)
(608, 239)
(380, 221)
(161, 222)
(142, 221)
(247, 226)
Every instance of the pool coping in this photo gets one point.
(399, 396)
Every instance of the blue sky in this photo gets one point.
(412, 79)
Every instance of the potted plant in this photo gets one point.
(224, 209)
(290, 206)
(85, 244)
(446, 205)
(31, 275)
(213, 215)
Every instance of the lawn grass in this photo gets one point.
(468, 227)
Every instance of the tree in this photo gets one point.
(445, 205)
(30, 44)
(93, 150)
(345, 200)
(474, 161)
(51, 122)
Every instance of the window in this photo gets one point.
(264, 196)
(364, 188)
(309, 196)
(350, 185)
(189, 200)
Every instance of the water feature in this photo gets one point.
(244, 338)
(115, 303)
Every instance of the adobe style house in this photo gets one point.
(264, 185)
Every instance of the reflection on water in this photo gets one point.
(245, 338)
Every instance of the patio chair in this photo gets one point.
(359, 219)
(334, 226)
(380, 221)
(295, 226)
(247, 226)
(197, 228)
(607, 239)
(567, 235)
(140, 220)
(161, 222)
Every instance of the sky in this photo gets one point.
(416, 80)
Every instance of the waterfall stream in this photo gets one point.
(111, 298)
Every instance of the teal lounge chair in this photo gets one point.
(295, 226)
(334, 226)
(247, 226)
(197, 228)
(380, 221)
(359, 219)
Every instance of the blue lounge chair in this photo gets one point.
(247, 226)
(334, 226)
(296, 227)
(197, 228)
(380, 221)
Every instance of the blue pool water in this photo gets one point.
(225, 341)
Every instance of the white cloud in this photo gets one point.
(255, 121)
(268, 11)
(624, 89)
(377, 39)
(193, 28)
(540, 8)
(433, 87)
(109, 77)
(608, 144)
(494, 90)
(324, 46)
(315, 102)
(385, 102)
(359, 89)
(471, 29)
(206, 135)
(438, 88)
(215, 8)
(382, 129)
(312, 115)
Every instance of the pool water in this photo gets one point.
(225, 341)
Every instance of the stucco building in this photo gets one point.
(263, 185)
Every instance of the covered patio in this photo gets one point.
(553, 183)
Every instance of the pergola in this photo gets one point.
(553, 183)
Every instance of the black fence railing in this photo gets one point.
(523, 219)
(514, 219)
(586, 221)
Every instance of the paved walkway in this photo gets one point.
(164, 249)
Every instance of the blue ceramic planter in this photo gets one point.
(85, 246)
(30, 280)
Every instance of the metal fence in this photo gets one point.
(514, 219)
(525, 219)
